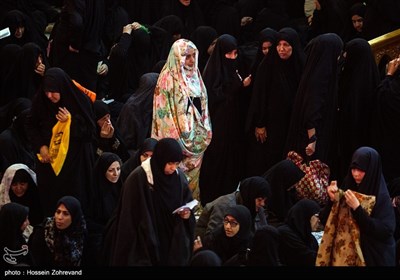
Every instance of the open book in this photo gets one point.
(189, 205)
(5, 33)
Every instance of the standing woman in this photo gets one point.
(145, 151)
(222, 167)
(180, 108)
(58, 100)
(59, 240)
(106, 187)
(144, 230)
(104, 198)
(358, 81)
(273, 95)
(386, 121)
(76, 44)
(313, 121)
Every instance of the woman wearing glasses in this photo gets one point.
(231, 239)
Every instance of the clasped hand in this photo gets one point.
(351, 199)
(261, 134)
(107, 130)
(63, 114)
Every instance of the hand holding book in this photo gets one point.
(190, 205)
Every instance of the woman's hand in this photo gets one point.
(45, 154)
(107, 130)
(332, 189)
(197, 244)
(71, 49)
(310, 149)
(392, 66)
(63, 114)
(247, 81)
(351, 199)
(261, 134)
(184, 213)
(40, 67)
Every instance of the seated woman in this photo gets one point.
(282, 177)
(13, 221)
(60, 239)
(19, 185)
(252, 192)
(232, 237)
(298, 247)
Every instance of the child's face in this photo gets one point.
(358, 175)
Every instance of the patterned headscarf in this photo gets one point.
(67, 245)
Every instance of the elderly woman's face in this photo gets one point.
(284, 49)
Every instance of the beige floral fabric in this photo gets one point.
(340, 244)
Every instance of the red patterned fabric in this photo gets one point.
(313, 185)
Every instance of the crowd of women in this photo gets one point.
(163, 103)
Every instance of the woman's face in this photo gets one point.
(232, 54)
(19, 32)
(358, 22)
(145, 155)
(105, 119)
(19, 188)
(260, 203)
(170, 167)
(265, 47)
(185, 2)
(231, 226)
(113, 172)
(358, 175)
(53, 96)
(62, 217)
(190, 59)
(284, 49)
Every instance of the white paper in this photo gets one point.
(189, 205)
(4, 33)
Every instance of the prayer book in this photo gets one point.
(4, 33)
(189, 205)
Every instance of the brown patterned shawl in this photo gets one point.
(340, 244)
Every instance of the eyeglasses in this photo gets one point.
(231, 223)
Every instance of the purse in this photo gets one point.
(315, 181)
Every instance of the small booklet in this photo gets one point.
(4, 33)
(189, 205)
